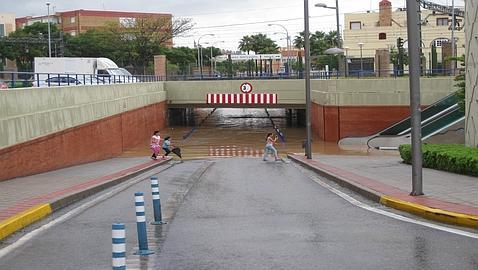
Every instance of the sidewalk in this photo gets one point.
(25, 200)
(449, 197)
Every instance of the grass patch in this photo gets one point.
(454, 158)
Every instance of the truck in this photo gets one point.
(79, 70)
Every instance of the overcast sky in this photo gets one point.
(228, 20)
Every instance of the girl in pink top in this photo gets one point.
(155, 140)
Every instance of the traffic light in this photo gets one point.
(399, 42)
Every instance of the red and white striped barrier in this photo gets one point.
(259, 98)
(234, 151)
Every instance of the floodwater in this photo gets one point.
(242, 132)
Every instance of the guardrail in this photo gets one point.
(29, 79)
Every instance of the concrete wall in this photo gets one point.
(471, 58)
(50, 128)
(184, 92)
(30, 113)
(357, 92)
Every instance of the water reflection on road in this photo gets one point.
(241, 132)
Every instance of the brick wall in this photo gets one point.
(332, 123)
(97, 140)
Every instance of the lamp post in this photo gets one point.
(49, 31)
(414, 43)
(288, 47)
(339, 37)
(308, 150)
(211, 71)
(360, 44)
(199, 52)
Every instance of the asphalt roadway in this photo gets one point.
(242, 213)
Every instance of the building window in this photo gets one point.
(72, 19)
(355, 25)
(442, 21)
(2, 30)
(73, 33)
(439, 42)
(382, 36)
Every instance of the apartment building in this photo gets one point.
(7, 25)
(365, 33)
(79, 21)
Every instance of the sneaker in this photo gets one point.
(278, 159)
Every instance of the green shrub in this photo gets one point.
(446, 157)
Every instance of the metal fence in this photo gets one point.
(29, 79)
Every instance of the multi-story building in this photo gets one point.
(79, 21)
(7, 25)
(365, 33)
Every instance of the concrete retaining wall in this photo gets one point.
(51, 128)
(30, 113)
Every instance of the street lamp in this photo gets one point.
(288, 47)
(211, 71)
(199, 52)
(308, 150)
(49, 31)
(360, 44)
(322, 5)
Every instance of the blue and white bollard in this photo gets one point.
(119, 246)
(158, 220)
(141, 225)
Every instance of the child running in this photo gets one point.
(270, 140)
(154, 145)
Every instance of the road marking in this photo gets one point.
(29, 236)
(389, 214)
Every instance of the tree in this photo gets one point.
(98, 43)
(26, 43)
(259, 44)
(461, 83)
(319, 42)
(145, 37)
(181, 57)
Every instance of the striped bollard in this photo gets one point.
(141, 225)
(119, 246)
(158, 220)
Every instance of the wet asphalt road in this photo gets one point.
(246, 214)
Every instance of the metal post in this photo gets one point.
(49, 31)
(158, 220)
(339, 37)
(308, 150)
(361, 57)
(200, 61)
(210, 63)
(119, 246)
(141, 225)
(414, 60)
(453, 46)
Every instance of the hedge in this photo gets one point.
(446, 157)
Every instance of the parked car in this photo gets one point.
(69, 81)
(3, 85)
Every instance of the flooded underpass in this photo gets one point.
(228, 132)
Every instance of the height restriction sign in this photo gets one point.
(246, 88)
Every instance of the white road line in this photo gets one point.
(389, 214)
(29, 236)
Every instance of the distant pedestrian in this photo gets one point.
(154, 144)
(270, 141)
(167, 145)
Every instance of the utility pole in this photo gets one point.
(308, 147)
(414, 44)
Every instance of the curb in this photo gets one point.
(413, 208)
(38, 212)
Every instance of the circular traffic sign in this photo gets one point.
(246, 88)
